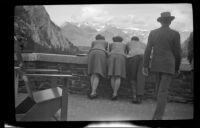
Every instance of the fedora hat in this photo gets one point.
(164, 16)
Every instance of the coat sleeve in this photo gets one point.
(110, 47)
(190, 48)
(126, 49)
(147, 52)
(92, 45)
(107, 46)
(177, 51)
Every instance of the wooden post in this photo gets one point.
(16, 76)
(53, 85)
(28, 86)
(64, 102)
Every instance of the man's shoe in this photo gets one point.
(93, 96)
(114, 98)
(137, 100)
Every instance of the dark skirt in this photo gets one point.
(117, 65)
(133, 66)
(97, 62)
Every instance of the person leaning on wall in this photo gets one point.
(19, 74)
(166, 59)
(135, 53)
(190, 58)
(116, 64)
(97, 63)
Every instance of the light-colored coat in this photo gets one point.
(117, 48)
(100, 45)
(134, 48)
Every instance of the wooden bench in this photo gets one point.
(48, 101)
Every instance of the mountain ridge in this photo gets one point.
(81, 36)
(109, 30)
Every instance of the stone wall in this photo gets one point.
(179, 91)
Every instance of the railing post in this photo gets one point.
(16, 76)
(64, 103)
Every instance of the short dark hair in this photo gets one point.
(135, 38)
(117, 39)
(99, 37)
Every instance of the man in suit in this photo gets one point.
(164, 48)
(190, 58)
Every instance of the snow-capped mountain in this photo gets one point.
(82, 34)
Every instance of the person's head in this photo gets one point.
(20, 40)
(117, 39)
(99, 37)
(135, 38)
(165, 18)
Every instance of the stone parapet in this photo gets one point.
(77, 65)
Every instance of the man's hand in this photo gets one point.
(177, 73)
(145, 71)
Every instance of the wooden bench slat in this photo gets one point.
(50, 75)
(42, 70)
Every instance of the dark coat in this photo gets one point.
(190, 48)
(17, 53)
(166, 55)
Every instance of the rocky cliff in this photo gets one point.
(39, 33)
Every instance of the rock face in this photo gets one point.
(39, 32)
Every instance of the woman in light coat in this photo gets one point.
(116, 64)
(97, 63)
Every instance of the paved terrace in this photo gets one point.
(80, 108)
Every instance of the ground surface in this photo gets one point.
(80, 108)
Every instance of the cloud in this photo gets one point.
(93, 13)
(183, 15)
(137, 16)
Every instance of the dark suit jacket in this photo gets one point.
(166, 55)
(17, 52)
(190, 48)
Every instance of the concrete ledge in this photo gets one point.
(77, 65)
(73, 59)
(55, 58)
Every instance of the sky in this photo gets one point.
(140, 16)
